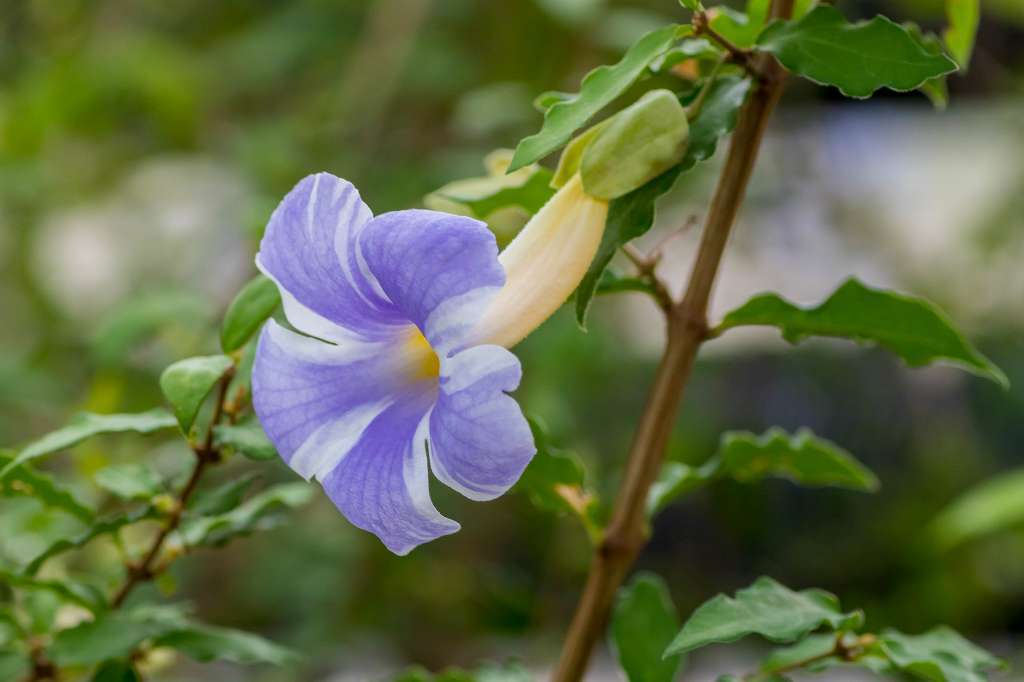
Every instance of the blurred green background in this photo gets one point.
(143, 145)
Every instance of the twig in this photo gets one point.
(687, 328)
(645, 266)
(841, 649)
(735, 54)
(206, 455)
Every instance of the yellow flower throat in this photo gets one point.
(423, 361)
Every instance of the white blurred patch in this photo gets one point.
(172, 220)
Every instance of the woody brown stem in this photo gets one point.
(687, 330)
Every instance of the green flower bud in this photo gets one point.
(636, 145)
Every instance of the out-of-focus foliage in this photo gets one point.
(143, 146)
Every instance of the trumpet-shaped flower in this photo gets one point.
(400, 358)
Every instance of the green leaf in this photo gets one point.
(117, 634)
(223, 498)
(766, 608)
(187, 382)
(740, 28)
(994, 505)
(257, 513)
(963, 26)
(802, 458)
(252, 306)
(632, 215)
(674, 481)
(935, 89)
(206, 643)
(14, 665)
(638, 144)
(130, 481)
(644, 622)
(112, 635)
(940, 655)
(856, 58)
(85, 425)
(99, 528)
(527, 188)
(26, 480)
(549, 98)
(690, 4)
(142, 317)
(116, 671)
(81, 594)
(614, 283)
(598, 89)
(911, 327)
(247, 438)
(811, 648)
(554, 481)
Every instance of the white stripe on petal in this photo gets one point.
(447, 325)
(307, 321)
(464, 369)
(415, 474)
(329, 444)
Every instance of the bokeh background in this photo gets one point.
(143, 145)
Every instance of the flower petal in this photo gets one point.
(381, 485)
(315, 399)
(310, 250)
(440, 270)
(479, 440)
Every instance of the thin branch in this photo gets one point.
(145, 569)
(734, 53)
(687, 330)
(646, 268)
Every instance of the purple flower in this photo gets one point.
(383, 375)
(398, 361)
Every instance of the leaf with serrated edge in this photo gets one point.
(644, 622)
(940, 654)
(766, 608)
(632, 215)
(802, 458)
(911, 327)
(187, 382)
(856, 58)
(598, 89)
(251, 307)
(87, 424)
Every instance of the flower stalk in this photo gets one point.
(687, 330)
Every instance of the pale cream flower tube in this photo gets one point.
(544, 264)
